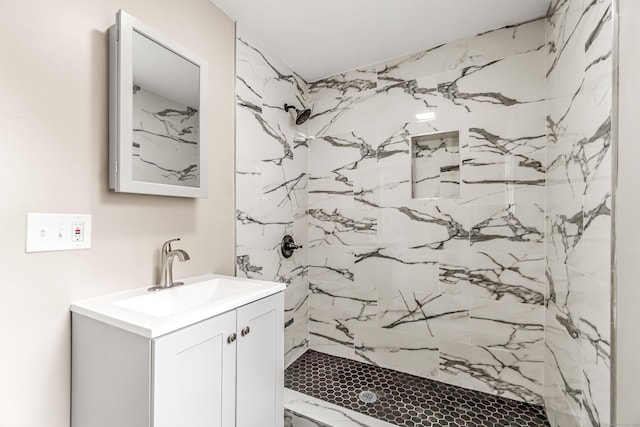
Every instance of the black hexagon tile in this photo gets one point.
(403, 399)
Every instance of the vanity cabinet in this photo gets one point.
(223, 371)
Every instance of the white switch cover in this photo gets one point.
(58, 232)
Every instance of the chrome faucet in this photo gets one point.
(168, 255)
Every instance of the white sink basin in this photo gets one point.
(152, 314)
(167, 302)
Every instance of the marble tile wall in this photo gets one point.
(271, 182)
(504, 289)
(578, 217)
(448, 288)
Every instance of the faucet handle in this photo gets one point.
(166, 246)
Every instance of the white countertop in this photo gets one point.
(111, 308)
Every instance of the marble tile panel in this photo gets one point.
(514, 327)
(497, 276)
(581, 306)
(283, 187)
(596, 403)
(449, 56)
(265, 64)
(489, 370)
(262, 228)
(248, 190)
(559, 412)
(337, 101)
(424, 313)
(325, 414)
(565, 128)
(413, 354)
(268, 144)
(564, 227)
(396, 268)
(351, 227)
(335, 310)
(255, 264)
(599, 40)
(296, 320)
(516, 131)
(592, 252)
(510, 228)
(475, 192)
(367, 187)
(505, 159)
(508, 41)
(402, 102)
(291, 419)
(331, 263)
(342, 152)
(350, 83)
(251, 130)
(441, 226)
(586, 163)
(557, 276)
(250, 71)
(594, 151)
(395, 185)
(249, 93)
(563, 362)
(497, 176)
(483, 86)
(332, 191)
(302, 85)
(565, 48)
(297, 184)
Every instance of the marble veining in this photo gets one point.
(578, 217)
(271, 182)
(499, 288)
(393, 271)
(493, 275)
(165, 140)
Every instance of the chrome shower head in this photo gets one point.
(299, 116)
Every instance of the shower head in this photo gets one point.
(299, 116)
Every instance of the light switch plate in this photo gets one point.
(57, 232)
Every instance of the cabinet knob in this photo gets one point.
(231, 338)
(245, 331)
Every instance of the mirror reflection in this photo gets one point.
(166, 119)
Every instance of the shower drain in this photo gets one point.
(368, 396)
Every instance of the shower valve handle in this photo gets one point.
(288, 246)
(293, 246)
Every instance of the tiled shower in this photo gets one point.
(489, 271)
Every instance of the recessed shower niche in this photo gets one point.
(435, 166)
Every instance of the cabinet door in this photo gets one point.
(194, 375)
(260, 363)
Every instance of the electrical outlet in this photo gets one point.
(77, 232)
(57, 232)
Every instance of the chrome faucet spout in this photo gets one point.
(168, 255)
(180, 254)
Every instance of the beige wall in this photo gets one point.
(53, 154)
(627, 215)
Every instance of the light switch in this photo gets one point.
(57, 232)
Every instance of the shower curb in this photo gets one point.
(313, 412)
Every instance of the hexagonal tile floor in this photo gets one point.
(403, 399)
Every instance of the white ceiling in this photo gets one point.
(320, 38)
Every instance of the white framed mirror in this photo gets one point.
(157, 110)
